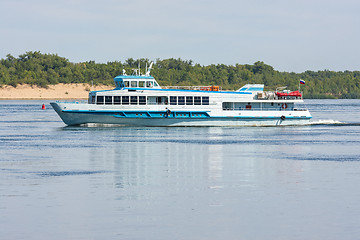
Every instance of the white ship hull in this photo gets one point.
(193, 118)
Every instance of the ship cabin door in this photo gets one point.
(163, 100)
(158, 100)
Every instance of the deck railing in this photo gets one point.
(264, 109)
(201, 88)
(268, 95)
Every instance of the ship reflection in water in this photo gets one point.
(164, 159)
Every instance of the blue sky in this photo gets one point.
(288, 35)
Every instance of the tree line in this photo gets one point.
(39, 69)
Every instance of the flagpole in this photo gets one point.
(301, 82)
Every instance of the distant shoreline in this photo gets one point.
(53, 92)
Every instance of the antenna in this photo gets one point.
(149, 69)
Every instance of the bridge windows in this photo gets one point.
(134, 83)
(141, 84)
(149, 84)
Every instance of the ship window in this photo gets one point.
(126, 83)
(125, 100)
(173, 100)
(100, 100)
(117, 100)
(227, 106)
(93, 99)
(149, 84)
(155, 84)
(133, 83)
(205, 100)
(142, 100)
(181, 100)
(189, 100)
(108, 100)
(141, 83)
(197, 100)
(134, 100)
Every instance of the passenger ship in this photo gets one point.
(138, 100)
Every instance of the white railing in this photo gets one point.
(203, 88)
(72, 101)
(272, 96)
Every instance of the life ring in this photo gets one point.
(284, 106)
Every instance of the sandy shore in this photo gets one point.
(59, 91)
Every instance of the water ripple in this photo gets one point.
(67, 173)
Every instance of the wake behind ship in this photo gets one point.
(138, 100)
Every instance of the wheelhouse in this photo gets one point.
(124, 81)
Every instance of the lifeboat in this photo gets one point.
(210, 88)
(291, 94)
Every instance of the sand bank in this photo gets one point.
(59, 91)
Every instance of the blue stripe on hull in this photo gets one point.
(82, 118)
(172, 114)
(145, 114)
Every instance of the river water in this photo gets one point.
(102, 182)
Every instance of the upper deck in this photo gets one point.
(134, 83)
(138, 84)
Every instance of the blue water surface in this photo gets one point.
(111, 182)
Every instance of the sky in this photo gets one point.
(290, 35)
